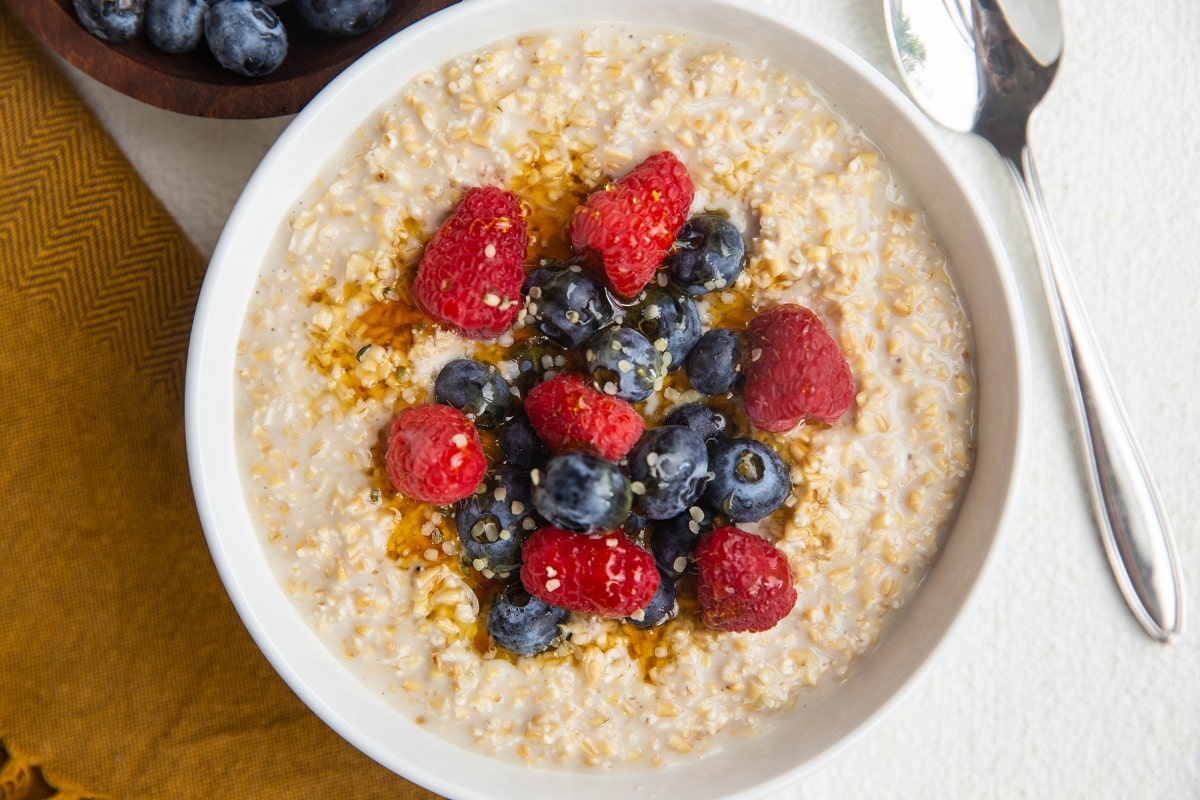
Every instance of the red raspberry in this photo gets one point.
(627, 227)
(434, 454)
(566, 411)
(794, 370)
(745, 584)
(604, 574)
(471, 274)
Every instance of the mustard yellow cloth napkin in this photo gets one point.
(124, 670)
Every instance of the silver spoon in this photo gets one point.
(966, 66)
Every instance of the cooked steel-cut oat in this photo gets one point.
(332, 346)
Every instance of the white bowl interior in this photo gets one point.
(802, 737)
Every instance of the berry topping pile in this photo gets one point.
(596, 502)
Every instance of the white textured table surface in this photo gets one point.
(1049, 689)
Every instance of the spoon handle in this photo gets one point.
(1133, 526)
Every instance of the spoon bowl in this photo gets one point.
(982, 66)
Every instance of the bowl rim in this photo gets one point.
(277, 627)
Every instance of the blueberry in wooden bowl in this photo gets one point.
(194, 82)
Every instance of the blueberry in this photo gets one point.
(523, 624)
(112, 20)
(493, 522)
(521, 445)
(670, 321)
(673, 541)
(704, 420)
(342, 17)
(581, 492)
(540, 274)
(714, 365)
(175, 26)
(246, 37)
(667, 469)
(709, 255)
(623, 363)
(568, 305)
(636, 526)
(662, 606)
(533, 360)
(748, 479)
(476, 389)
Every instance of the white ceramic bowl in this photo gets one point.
(803, 737)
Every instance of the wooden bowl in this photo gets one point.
(193, 83)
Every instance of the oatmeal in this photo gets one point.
(334, 347)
